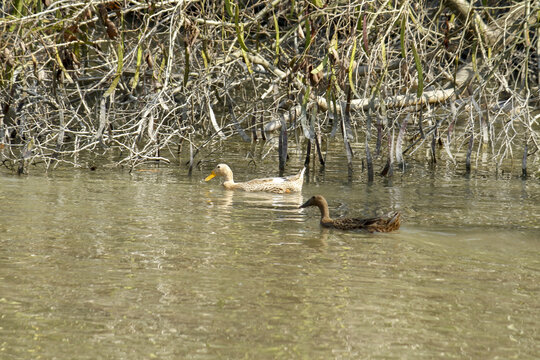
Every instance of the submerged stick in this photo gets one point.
(253, 129)
(336, 118)
(319, 152)
(420, 120)
(308, 154)
(391, 155)
(191, 157)
(379, 137)
(282, 147)
(369, 161)
(469, 151)
(261, 123)
(344, 126)
(524, 162)
(449, 133)
(470, 147)
(103, 121)
(399, 143)
(433, 142)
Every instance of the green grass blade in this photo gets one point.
(135, 79)
(420, 89)
(240, 36)
(351, 67)
(276, 27)
(402, 39)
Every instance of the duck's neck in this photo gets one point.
(230, 184)
(325, 213)
(228, 180)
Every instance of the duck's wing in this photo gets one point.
(274, 180)
(394, 219)
(380, 224)
(275, 184)
(353, 223)
(278, 180)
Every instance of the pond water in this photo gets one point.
(156, 264)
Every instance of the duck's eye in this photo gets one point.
(218, 166)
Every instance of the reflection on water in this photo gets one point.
(158, 265)
(224, 200)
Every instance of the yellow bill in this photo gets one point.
(211, 176)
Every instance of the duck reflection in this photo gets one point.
(318, 242)
(285, 204)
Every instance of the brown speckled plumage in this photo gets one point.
(387, 223)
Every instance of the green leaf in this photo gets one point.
(474, 61)
(17, 12)
(321, 66)
(351, 67)
(306, 96)
(240, 36)
(228, 8)
(402, 38)
(420, 89)
(307, 32)
(112, 87)
(61, 65)
(135, 79)
(317, 3)
(239, 30)
(162, 65)
(205, 56)
(276, 27)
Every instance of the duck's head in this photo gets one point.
(221, 170)
(316, 200)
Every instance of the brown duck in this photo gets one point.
(387, 223)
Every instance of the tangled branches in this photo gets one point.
(139, 79)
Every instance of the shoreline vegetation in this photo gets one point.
(434, 81)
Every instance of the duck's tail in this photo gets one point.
(394, 219)
(299, 175)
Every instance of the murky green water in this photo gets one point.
(158, 265)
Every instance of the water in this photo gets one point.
(155, 264)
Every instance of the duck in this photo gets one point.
(277, 185)
(387, 223)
